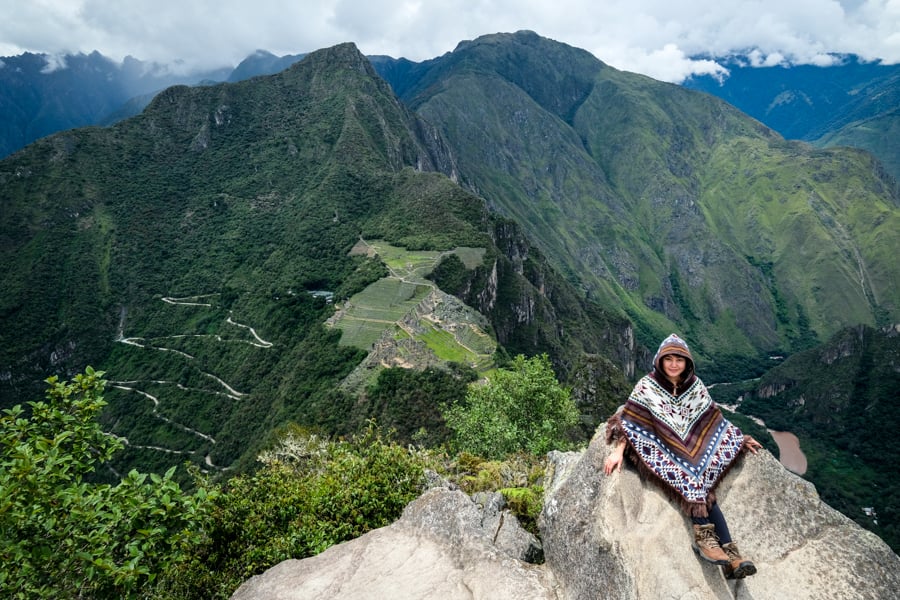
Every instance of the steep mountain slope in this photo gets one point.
(852, 103)
(840, 401)
(664, 202)
(40, 94)
(879, 134)
(191, 252)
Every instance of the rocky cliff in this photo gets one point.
(603, 537)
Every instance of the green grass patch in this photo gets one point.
(384, 303)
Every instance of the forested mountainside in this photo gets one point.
(244, 255)
(668, 205)
(195, 253)
(853, 103)
(840, 400)
(41, 94)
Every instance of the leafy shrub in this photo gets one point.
(519, 478)
(62, 537)
(310, 493)
(526, 503)
(522, 408)
(408, 400)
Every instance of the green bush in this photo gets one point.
(310, 493)
(519, 478)
(63, 537)
(520, 408)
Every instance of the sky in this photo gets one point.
(659, 38)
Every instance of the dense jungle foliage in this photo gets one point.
(62, 536)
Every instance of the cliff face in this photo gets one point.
(603, 537)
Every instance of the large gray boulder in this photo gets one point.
(446, 545)
(603, 537)
(621, 537)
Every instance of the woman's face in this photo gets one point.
(673, 366)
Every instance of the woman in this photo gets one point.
(675, 433)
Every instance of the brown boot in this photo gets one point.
(706, 545)
(737, 567)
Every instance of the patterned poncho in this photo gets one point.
(684, 443)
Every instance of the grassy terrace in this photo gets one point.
(384, 304)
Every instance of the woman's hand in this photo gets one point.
(614, 460)
(751, 444)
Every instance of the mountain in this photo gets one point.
(41, 94)
(667, 205)
(878, 134)
(853, 103)
(840, 401)
(230, 256)
(262, 62)
(240, 255)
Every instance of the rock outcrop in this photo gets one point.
(620, 537)
(446, 545)
(603, 537)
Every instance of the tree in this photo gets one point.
(522, 407)
(310, 493)
(63, 537)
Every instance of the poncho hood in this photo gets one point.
(677, 346)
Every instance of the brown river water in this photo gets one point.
(789, 452)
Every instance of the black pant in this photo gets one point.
(718, 519)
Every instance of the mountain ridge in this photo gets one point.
(528, 163)
(852, 103)
(248, 196)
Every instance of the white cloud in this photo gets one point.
(55, 62)
(655, 37)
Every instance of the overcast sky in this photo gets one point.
(654, 37)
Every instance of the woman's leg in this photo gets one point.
(707, 537)
(718, 519)
(739, 567)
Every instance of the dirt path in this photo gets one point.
(156, 413)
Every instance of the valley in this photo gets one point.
(323, 245)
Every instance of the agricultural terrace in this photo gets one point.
(386, 303)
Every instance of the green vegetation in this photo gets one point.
(878, 134)
(63, 537)
(519, 408)
(196, 252)
(838, 399)
(310, 493)
(199, 252)
(519, 478)
(408, 401)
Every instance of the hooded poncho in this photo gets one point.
(680, 439)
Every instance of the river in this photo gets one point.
(789, 452)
